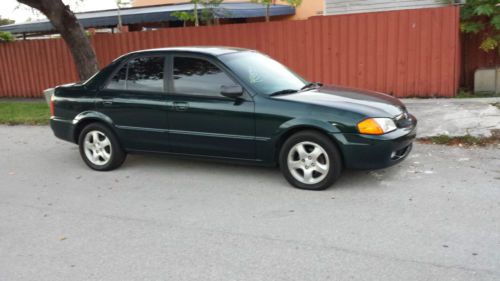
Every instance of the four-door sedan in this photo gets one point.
(230, 104)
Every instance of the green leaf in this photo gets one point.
(294, 3)
(263, 2)
(489, 44)
(484, 10)
(466, 12)
(495, 22)
(6, 37)
(4, 21)
(471, 27)
(183, 16)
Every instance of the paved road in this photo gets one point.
(436, 216)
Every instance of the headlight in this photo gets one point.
(376, 126)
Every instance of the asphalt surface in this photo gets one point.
(436, 216)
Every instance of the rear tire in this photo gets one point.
(99, 148)
(310, 160)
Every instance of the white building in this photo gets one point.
(335, 7)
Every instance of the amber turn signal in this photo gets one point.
(376, 126)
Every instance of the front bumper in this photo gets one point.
(376, 152)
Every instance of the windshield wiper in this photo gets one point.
(311, 85)
(283, 92)
(291, 91)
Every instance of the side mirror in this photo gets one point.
(232, 91)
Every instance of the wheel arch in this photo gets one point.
(305, 127)
(88, 117)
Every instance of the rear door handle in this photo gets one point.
(181, 106)
(107, 102)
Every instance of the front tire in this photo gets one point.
(99, 148)
(310, 160)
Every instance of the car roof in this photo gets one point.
(209, 50)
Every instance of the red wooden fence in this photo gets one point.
(474, 58)
(405, 53)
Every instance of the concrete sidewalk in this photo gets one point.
(455, 117)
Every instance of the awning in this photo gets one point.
(151, 14)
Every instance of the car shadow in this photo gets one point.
(270, 175)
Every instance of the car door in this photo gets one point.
(201, 120)
(135, 100)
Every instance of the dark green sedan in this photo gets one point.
(230, 104)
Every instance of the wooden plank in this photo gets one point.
(402, 57)
(4, 77)
(392, 54)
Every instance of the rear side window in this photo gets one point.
(140, 74)
(193, 76)
(118, 80)
(146, 74)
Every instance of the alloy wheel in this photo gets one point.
(308, 162)
(97, 147)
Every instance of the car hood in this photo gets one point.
(369, 103)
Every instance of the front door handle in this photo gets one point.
(181, 106)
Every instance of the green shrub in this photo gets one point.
(6, 37)
(482, 17)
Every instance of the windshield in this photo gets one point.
(262, 73)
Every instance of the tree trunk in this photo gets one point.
(267, 12)
(195, 13)
(65, 22)
(120, 27)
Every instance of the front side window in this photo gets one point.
(262, 73)
(193, 76)
(140, 74)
